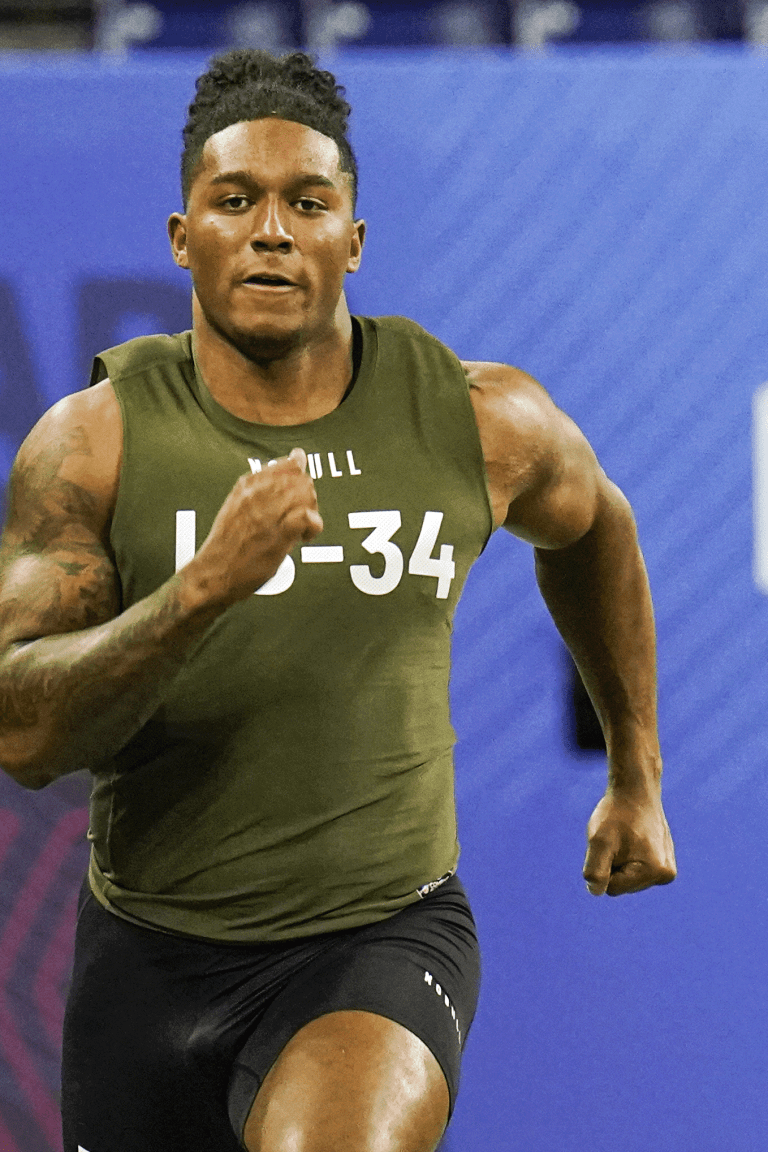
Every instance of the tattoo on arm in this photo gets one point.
(56, 575)
(44, 503)
(78, 675)
(56, 526)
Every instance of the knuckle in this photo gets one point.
(622, 885)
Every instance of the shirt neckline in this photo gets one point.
(225, 420)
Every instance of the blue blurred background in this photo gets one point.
(146, 25)
(580, 189)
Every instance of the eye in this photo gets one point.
(307, 204)
(235, 202)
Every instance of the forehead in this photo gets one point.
(271, 147)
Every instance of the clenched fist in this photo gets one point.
(629, 844)
(264, 516)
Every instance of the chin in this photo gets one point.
(265, 342)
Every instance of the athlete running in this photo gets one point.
(228, 575)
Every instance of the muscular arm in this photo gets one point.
(78, 677)
(549, 489)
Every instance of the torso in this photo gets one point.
(322, 847)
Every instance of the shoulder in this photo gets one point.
(516, 416)
(57, 572)
(141, 354)
(86, 415)
(508, 395)
(400, 324)
(407, 332)
(76, 443)
(542, 473)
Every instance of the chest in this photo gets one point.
(403, 521)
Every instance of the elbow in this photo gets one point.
(611, 516)
(25, 764)
(31, 778)
(613, 504)
(611, 512)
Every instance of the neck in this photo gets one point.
(306, 384)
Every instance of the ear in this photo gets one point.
(356, 247)
(177, 234)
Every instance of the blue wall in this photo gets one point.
(600, 219)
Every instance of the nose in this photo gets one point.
(271, 232)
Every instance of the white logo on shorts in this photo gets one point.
(430, 980)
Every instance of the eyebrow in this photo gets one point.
(304, 180)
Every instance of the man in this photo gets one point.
(228, 576)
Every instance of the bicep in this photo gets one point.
(560, 502)
(56, 571)
(544, 479)
(65, 588)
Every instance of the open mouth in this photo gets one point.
(268, 280)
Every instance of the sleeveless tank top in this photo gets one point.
(298, 777)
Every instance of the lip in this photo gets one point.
(285, 284)
(270, 289)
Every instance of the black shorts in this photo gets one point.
(168, 1038)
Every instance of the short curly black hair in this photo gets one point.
(252, 84)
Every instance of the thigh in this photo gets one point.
(350, 1080)
(127, 1080)
(152, 1026)
(418, 972)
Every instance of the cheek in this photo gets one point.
(209, 247)
(335, 256)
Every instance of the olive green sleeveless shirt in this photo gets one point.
(298, 777)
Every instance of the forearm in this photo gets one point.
(597, 592)
(72, 701)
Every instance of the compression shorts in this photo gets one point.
(167, 1038)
